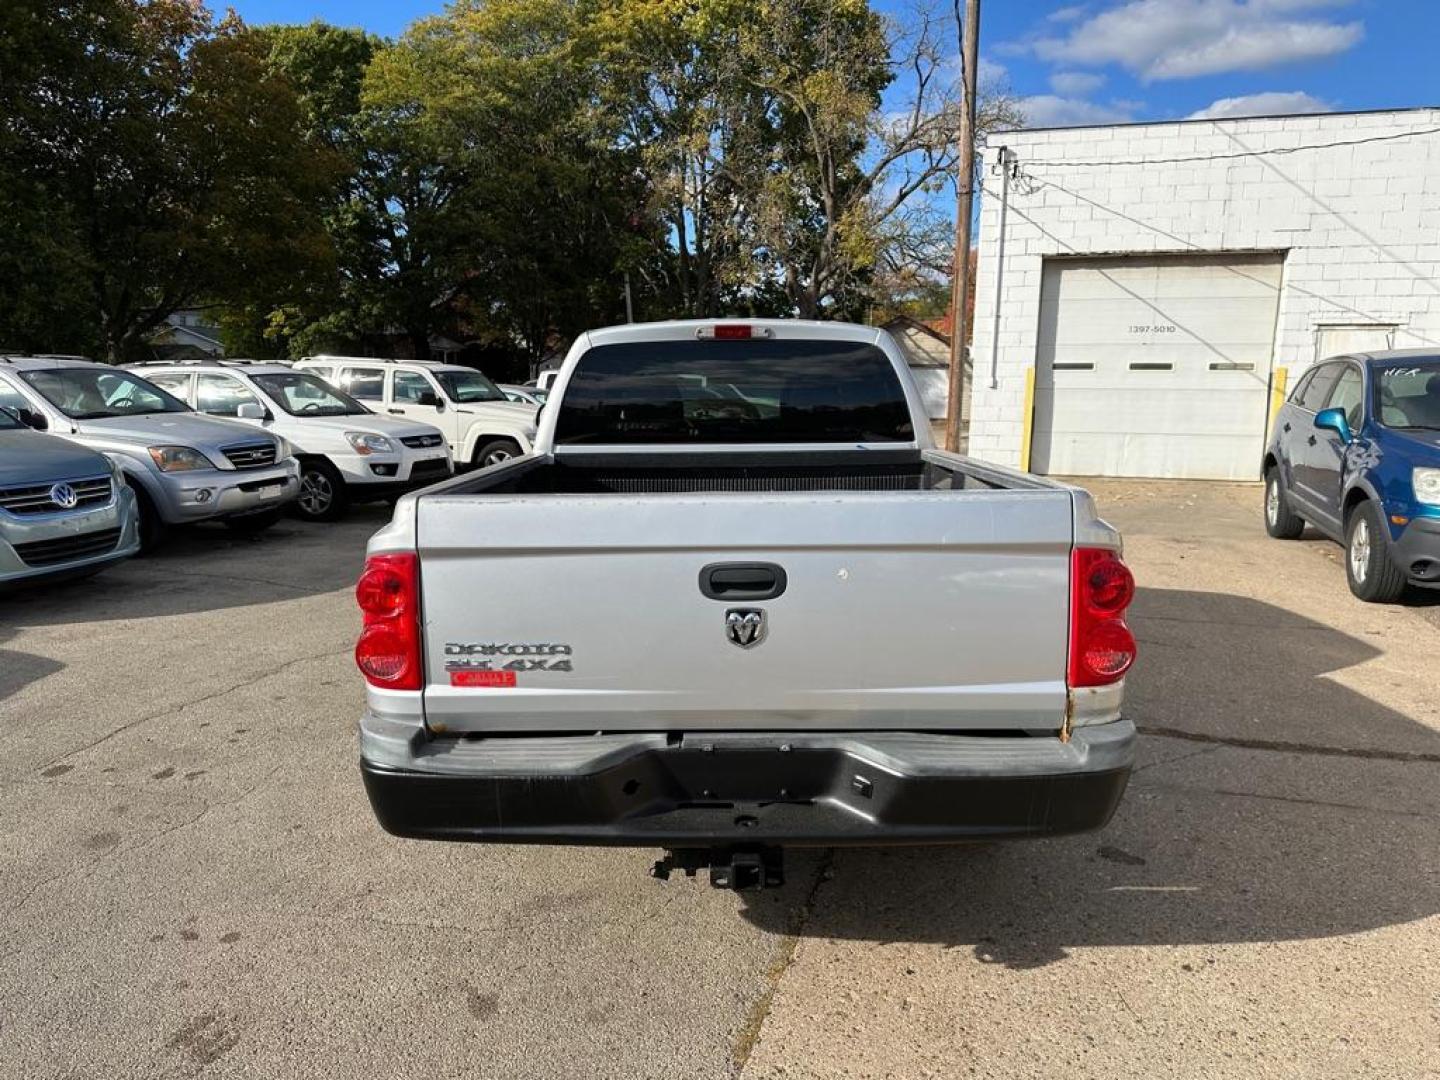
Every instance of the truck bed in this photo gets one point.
(923, 592)
(646, 473)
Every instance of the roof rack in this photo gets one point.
(208, 361)
(372, 359)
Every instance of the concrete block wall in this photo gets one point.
(1359, 226)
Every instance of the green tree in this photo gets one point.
(171, 162)
(499, 197)
(325, 67)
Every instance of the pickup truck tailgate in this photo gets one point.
(926, 610)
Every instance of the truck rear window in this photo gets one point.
(748, 391)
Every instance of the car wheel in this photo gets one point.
(1373, 577)
(322, 492)
(252, 524)
(1280, 521)
(494, 452)
(152, 526)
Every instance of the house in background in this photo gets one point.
(926, 345)
(187, 334)
(1146, 292)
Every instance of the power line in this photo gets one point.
(1241, 154)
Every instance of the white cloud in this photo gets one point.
(1073, 13)
(991, 71)
(1052, 110)
(1076, 83)
(1270, 103)
(1178, 39)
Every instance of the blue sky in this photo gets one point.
(1108, 61)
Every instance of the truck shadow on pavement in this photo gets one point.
(208, 568)
(1218, 840)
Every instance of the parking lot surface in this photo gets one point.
(193, 884)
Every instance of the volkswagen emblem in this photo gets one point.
(745, 626)
(63, 496)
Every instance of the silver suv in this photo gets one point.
(183, 467)
(346, 453)
(64, 510)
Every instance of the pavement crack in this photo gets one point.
(203, 699)
(749, 1035)
(238, 580)
(88, 870)
(1360, 753)
(1294, 799)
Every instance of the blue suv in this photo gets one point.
(1356, 453)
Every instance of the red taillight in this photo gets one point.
(388, 652)
(1101, 645)
(732, 332)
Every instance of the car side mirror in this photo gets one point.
(1334, 420)
(31, 418)
(430, 398)
(251, 410)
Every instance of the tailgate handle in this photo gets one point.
(742, 581)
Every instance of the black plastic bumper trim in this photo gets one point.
(685, 796)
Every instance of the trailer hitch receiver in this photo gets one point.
(742, 869)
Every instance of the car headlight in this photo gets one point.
(179, 459)
(1427, 486)
(365, 443)
(283, 450)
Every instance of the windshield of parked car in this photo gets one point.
(308, 395)
(465, 386)
(84, 393)
(1408, 394)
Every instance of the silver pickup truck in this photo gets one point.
(735, 600)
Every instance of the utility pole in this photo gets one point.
(960, 278)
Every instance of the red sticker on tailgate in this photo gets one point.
(482, 678)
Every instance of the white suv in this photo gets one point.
(480, 424)
(346, 452)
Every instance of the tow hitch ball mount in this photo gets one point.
(739, 868)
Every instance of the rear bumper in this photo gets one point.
(753, 788)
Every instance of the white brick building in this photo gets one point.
(1154, 286)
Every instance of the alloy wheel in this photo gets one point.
(316, 493)
(1360, 550)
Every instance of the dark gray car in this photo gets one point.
(64, 510)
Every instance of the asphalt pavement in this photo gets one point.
(192, 883)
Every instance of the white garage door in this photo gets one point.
(1155, 365)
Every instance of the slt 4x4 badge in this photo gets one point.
(495, 664)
